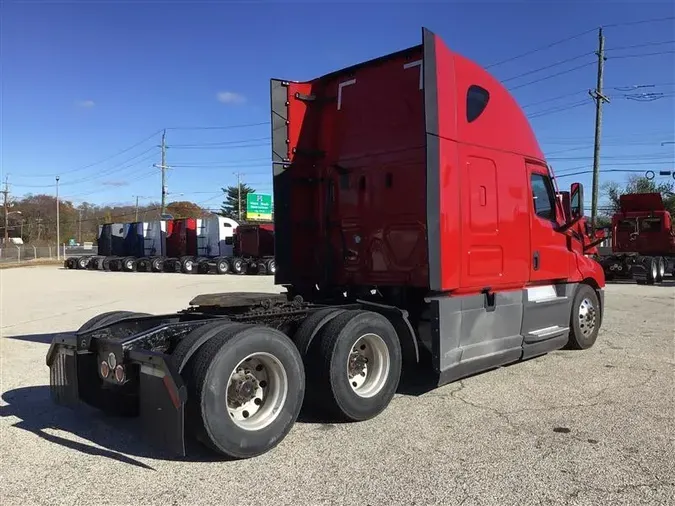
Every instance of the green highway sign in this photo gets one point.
(258, 207)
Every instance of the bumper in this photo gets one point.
(154, 389)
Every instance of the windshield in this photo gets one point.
(650, 225)
(626, 226)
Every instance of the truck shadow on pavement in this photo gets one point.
(92, 432)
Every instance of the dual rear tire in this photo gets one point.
(353, 362)
(246, 386)
(247, 383)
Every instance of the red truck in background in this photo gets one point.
(418, 232)
(643, 240)
(254, 249)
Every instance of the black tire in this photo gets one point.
(207, 376)
(262, 269)
(222, 266)
(157, 265)
(128, 264)
(82, 262)
(652, 269)
(271, 266)
(203, 267)
(335, 341)
(187, 266)
(105, 264)
(311, 326)
(238, 265)
(585, 318)
(660, 269)
(191, 343)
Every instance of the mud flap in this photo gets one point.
(162, 407)
(62, 362)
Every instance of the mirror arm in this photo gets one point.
(569, 224)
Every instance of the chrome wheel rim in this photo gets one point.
(587, 317)
(256, 391)
(368, 365)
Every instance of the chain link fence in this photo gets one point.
(14, 253)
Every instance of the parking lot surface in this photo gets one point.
(594, 427)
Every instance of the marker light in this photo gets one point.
(105, 370)
(119, 374)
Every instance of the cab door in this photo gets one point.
(550, 253)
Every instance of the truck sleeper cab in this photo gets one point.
(418, 231)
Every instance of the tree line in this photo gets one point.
(33, 217)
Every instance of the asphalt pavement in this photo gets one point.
(589, 428)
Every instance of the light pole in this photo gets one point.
(58, 230)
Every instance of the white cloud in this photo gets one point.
(229, 97)
(87, 104)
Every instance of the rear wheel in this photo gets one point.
(238, 266)
(271, 266)
(652, 270)
(585, 319)
(222, 266)
(358, 364)
(660, 269)
(82, 262)
(129, 264)
(245, 390)
(188, 265)
(157, 265)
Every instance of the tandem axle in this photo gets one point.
(233, 370)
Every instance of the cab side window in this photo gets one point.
(543, 197)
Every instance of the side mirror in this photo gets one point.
(565, 202)
(576, 200)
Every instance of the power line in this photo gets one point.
(565, 95)
(218, 144)
(639, 22)
(553, 75)
(224, 127)
(645, 44)
(240, 146)
(641, 55)
(116, 170)
(560, 108)
(576, 36)
(100, 161)
(542, 48)
(561, 62)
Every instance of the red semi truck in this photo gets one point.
(643, 240)
(417, 230)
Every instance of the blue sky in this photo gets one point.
(84, 81)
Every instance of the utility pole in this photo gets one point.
(137, 208)
(79, 226)
(163, 168)
(5, 204)
(599, 98)
(58, 230)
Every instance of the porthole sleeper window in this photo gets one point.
(477, 99)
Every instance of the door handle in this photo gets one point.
(535, 261)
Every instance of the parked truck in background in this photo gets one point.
(417, 232)
(254, 249)
(642, 240)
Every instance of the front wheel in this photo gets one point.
(247, 386)
(585, 319)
